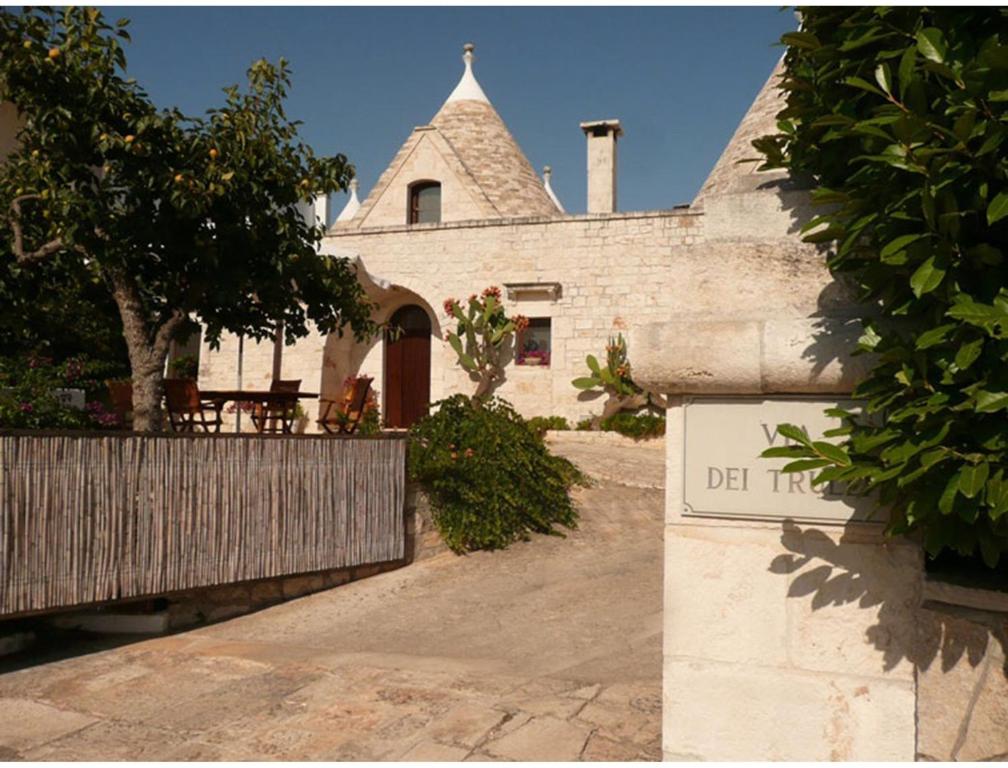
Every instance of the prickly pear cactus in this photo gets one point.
(483, 336)
(615, 380)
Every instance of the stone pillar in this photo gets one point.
(602, 136)
(789, 628)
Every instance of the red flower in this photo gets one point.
(469, 452)
(492, 290)
(449, 306)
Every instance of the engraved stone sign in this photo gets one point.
(724, 476)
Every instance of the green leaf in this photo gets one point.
(869, 339)
(456, 343)
(906, 68)
(990, 402)
(931, 44)
(791, 432)
(833, 453)
(883, 76)
(998, 208)
(934, 336)
(899, 244)
(785, 452)
(467, 362)
(805, 40)
(863, 84)
(972, 478)
(947, 500)
(968, 353)
(586, 382)
(593, 365)
(927, 277)
(804, 464)
(975, 313)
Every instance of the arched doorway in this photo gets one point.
(407, 366)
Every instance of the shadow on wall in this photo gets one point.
(835, 574)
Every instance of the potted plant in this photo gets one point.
(185, 367)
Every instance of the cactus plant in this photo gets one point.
(482, 337)
(615, 380)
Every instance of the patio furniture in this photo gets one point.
(276, 416)
(121, 398)
(343, 417)
(186, 410)
(220, 397)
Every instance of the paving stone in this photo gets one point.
(432, 752)
(541, 738)
(617, 723)
(465, 725)
(25, 724)
(602, 749)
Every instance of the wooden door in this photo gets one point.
(407, 366)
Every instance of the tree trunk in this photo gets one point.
(617, 403)
(147, 353)
(488, 379)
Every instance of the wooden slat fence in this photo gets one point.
(93, 518)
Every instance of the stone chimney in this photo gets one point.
(602, 136)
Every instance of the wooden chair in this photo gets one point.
(274, 417)
(186, 411)
(343, 417)
(121, 398)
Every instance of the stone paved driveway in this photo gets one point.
(550, 650)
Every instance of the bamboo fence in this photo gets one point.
(88, 518)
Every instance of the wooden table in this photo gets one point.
(265, 397)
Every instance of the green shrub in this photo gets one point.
(635, 425)
(899, 119)
(586, 425)
(490, 479)
(28, 393)
(540, 424)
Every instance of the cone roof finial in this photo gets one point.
(468, 89)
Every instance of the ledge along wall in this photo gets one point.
(89, 518)
(794, 630)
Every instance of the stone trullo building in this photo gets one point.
(460, 208)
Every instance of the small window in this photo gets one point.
(534, 343)
(425, 203)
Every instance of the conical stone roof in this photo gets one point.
(482, 153)
(490, 154)
(731, 176)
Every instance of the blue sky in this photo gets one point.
(678, 78)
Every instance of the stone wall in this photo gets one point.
(615, 272)
(423, 157)
(962, 681)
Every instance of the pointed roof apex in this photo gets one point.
(468, 89)
(352, 205)
(547, 175)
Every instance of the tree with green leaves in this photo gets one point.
(178, 217)
(897, 118)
